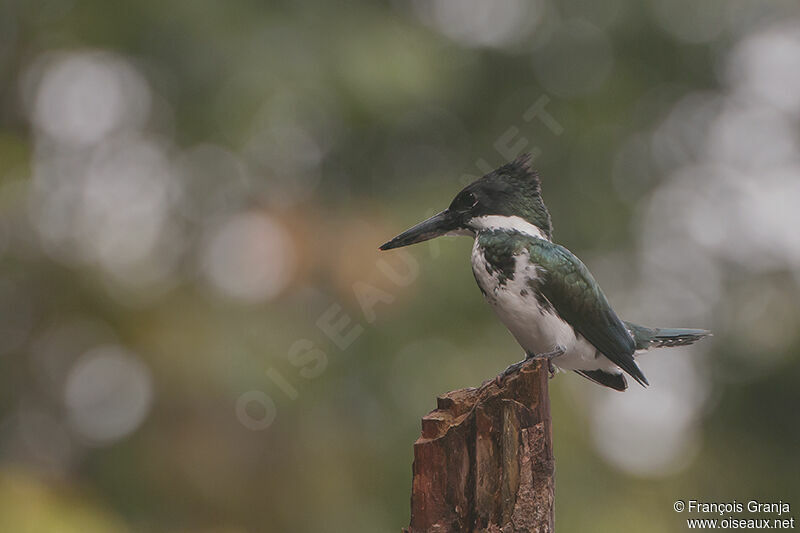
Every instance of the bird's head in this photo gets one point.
(507, 198)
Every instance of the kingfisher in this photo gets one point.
(541, 291)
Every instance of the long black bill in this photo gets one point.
(435, 226)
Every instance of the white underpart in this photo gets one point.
(537, 330)
(511, 223)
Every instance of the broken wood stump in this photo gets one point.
(484, 461)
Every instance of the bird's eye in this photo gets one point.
(464, 201)
(469, 200)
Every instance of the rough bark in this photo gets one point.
(484, 461)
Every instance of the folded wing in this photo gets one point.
(575, 295)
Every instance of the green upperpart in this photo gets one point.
(564, 283)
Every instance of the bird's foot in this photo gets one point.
(559, 350)
(549, 356)
(511, 369)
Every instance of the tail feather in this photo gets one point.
(668, 337)
(645, 337)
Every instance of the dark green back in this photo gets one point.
(567, 285)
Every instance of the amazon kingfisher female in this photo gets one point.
(541, 291)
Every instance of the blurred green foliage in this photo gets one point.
(188, 188)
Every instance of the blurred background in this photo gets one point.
(197, 332)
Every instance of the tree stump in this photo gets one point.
(484, 461)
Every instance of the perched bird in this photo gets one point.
(541, 291)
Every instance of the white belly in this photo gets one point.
(538, 330)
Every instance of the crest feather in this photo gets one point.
(523, 160)
(521, 168)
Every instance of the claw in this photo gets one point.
(501, 378)
(559, 350)
(548, 356)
